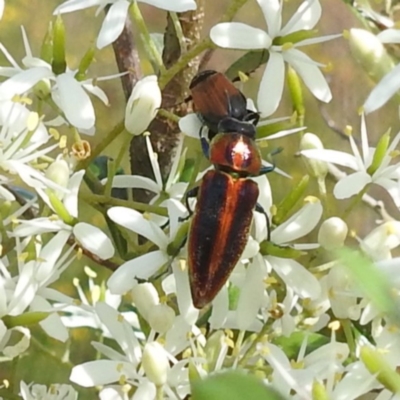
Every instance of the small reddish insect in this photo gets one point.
(221, 106)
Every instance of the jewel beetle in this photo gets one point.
(223, 214)
(220, 105)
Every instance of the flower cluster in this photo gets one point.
(217, 276)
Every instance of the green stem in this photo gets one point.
(46, 350)
(159, 392)
(346, 324)
(101, 199)
(169, 115)
(200, 47)
(238, 344)
(249, 353)
(116, 164)
(148, 42)
(357, 199)
(179, 32)
(113, 134)
(184, 61)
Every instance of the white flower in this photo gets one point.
(390, 84)
(143, 104)
(385, 175)
(13, 342)
(19, 147)
(172, 187)
(242, 36)
(53, 392)
(29, 288)
(89, 236)
(303, 282)
(118, 12)
(143, 267)
(69, 94)
(124, 367)
(84, 315)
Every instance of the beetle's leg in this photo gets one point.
(190, 193)
(205, 146)
(261, 210)
(252, 116)
(266, 170)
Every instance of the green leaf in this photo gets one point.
(291, 344)
(26, 319)
(233, 386)
(247, 63)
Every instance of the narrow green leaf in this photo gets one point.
(233, 386)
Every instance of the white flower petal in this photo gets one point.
(76, 5)
(120, 331)
(134, 220)
(21, 346)
(311, 74)
(146, 391)
(351, 185)
(251, 294)
(332, 156)
(389, 36)
(53, 326)
(22, 82)
(306, 17)
(272, 10)
(113, 23)
(220, 309)
(236, 35)
(124, 278)
(392, 188)
(134, 181)
(96, 91)
(38, 226)
(94, 240)
(172, 5)
(74, 101)
(271, 86)
(191, 125)
(302, 282)
(100, 372)
(383, 91)
(319, 39)
(71, 198)
(183, 295)
(299, 224)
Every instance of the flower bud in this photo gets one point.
(332, 233)
(319, 391)
(142, 105)
(161, 318)
(155, 363)
(316, 168)
(145, 297)
(370, 53)
(59, 64)
(58, 172)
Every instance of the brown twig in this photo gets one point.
(165, 133)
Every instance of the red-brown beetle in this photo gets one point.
(220, 105)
